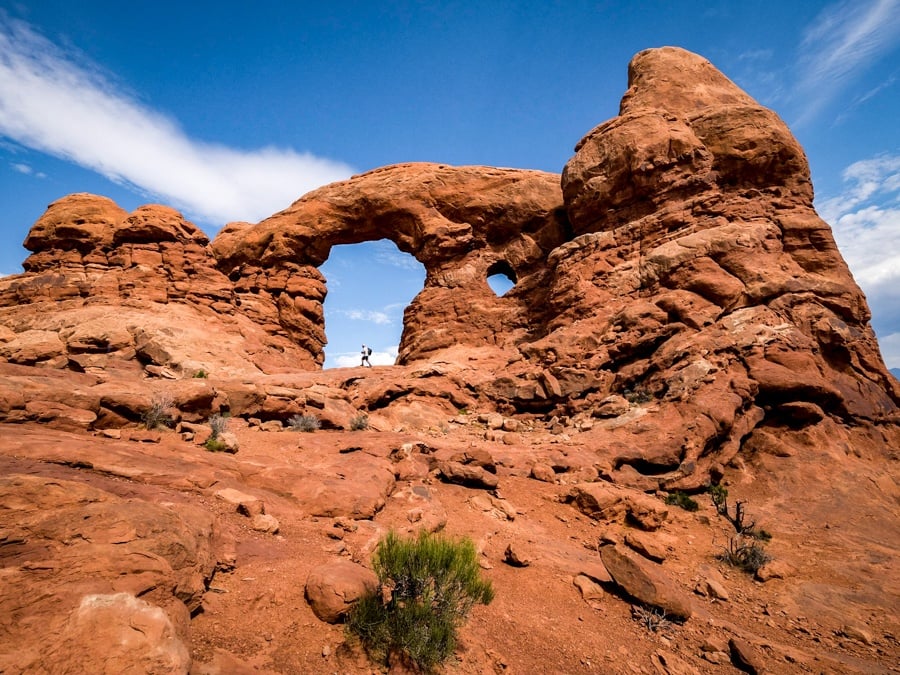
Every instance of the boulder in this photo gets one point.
(333, 588)
(645, 582)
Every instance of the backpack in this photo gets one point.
(368, 351)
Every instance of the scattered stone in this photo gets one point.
(645, 546)
(263, 522)
(746, 657)
(229, 442)
(857, 633)
(774, 569)
(468, 475)
(271, 426)
(247, 505)
(543, 472)
(645, 582)
(591, 591)
(333, 588)
(612, 406)
(144, 436)
(667, 663)
(516, 556)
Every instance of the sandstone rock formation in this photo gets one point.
(680, 317)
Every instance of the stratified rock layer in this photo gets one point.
(680, 317)
(678, 285)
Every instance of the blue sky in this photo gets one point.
(232, 110)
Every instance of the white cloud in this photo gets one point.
(865, 218)
(380, 318)
(386, 356)
(843, 40)
(54, 102)
(890, 349)
(387, 253)
(27, 170)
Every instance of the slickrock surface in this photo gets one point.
(680, 317)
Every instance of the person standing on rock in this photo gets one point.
(366, 353)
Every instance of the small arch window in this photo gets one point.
(501, 277)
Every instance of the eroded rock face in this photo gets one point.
(676, 293)
(75, 560)
(462, 223)
(107, 290)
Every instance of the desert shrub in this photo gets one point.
(719, 496)
(682, 500)
(201, 374)
(217, 425)
(215, 445)
(307, 423)
(748, 556)
(428, 586)
(359, 423)
(637, 395)
(157, 415)
(651, 618)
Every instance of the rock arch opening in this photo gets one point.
(501, 277)
(369, 286)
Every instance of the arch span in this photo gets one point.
(456, 221)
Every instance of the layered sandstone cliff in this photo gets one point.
(680, 317)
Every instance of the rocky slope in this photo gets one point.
(680, 317)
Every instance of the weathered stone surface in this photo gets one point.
(645, 582)
(746, 657)
(679, 312)
(605, 501)
(470, 475)
(333, 588)
(79, 557)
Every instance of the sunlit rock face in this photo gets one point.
(676, 272)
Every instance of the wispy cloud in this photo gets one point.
(387, 253)
(865, 218)
(380, 318)
(54, 101)
(840, 44)
(27, 170)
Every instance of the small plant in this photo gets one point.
(307, 423)
(719, 496)
(359, 423)
(428, 586)
(462, 411)
(638, 395)
(651, 618)
(215, 445)
(217, 425)
(201, 374)
(743, 555)
(157, 415)
(682, 500)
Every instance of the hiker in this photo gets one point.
(366, 353)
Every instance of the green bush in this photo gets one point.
(307, 423)
(201, 374)
(428, 586)
(215, 445)
(682, 500)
